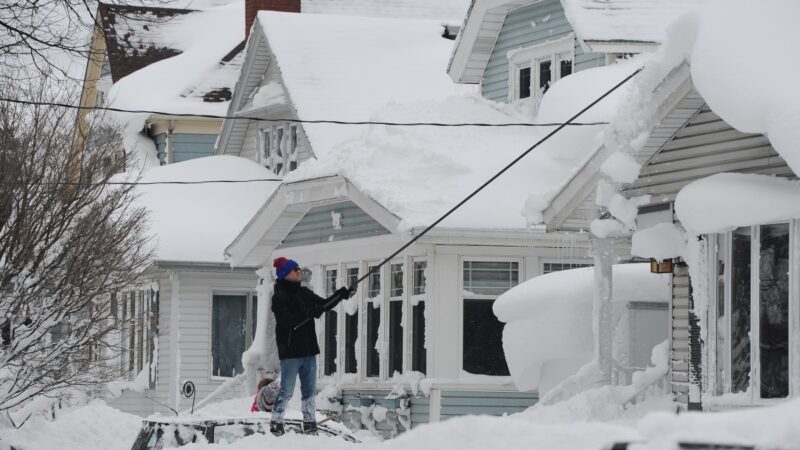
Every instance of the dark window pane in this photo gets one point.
(352, 276)
(740, 310)
(397, 280)
(395, 337)
(566, 68)
(330, 342)
(419, 361)
(374, 283)
(483, 339)
(351, 334)
(419, 277)
(330, 281)
(373, 321)
(228, 334)
(774, 310)
(545, 75)
(525, 82)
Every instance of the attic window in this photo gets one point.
(532, 70)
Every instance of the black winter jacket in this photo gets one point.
(293, 303)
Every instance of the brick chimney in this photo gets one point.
(252, 7)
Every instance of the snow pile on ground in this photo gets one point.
(725, 201)
(548, 333)
(196, 222)
(95, 426)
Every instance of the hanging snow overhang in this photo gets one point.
(477, 37)
(674, 109)
(620, 46)
(285, 209)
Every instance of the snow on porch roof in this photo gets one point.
(449, 10)
(348, 68)
(418, 173)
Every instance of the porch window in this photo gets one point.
(373, 324)
(557, 267)
(232, 331)
(482, 332)
(331, 321)
(351, 329)
(418, 352)
(396, 319)
(752, 302)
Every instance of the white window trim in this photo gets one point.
(342, 351)
(409, 313)
(520, 58)
(755, 353)
(366, 300)
(461, 297)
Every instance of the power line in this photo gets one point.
(137, 183)
(481, 187)
(301, 121)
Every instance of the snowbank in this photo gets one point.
(725, 201)
(196, 222)
(548, 333)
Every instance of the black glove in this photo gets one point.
(336, 297)
(351, 291)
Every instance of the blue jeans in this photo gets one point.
(306, 368)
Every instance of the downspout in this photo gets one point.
(603, 254)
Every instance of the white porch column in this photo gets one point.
(603, 254)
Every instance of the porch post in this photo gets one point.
(603, 253)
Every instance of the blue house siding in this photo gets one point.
(461, 403)
(518, 31)
(317, 227)
(190, 146)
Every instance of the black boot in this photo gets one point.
(276, 428)
(310, 427)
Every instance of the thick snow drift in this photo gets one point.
(196, 222)
(548, 333)
(725, 201)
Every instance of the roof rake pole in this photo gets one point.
(486, 183)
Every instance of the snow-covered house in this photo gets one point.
(175, 61)
(353, 194)
(192, 316)
(707, 151)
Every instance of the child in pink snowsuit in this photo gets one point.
(266, 395)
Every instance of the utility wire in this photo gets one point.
(481, 187)
(301, 121)
(137, 183)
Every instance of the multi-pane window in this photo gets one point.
(331, 321)
(534, 69)
(418, 351)
(351, 329)
(373, 323)
(557, 267)
(396, 318)
(265, 150)
(752, 311)
(482, 336)
(232, 328)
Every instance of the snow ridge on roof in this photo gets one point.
(448, 10)
(625, 20)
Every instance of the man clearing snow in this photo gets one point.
(296, 337)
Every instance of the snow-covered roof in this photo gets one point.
(625, 20)
(418, 173)
(446, 10)
(196, 222)
(177, 84)
(348, 68)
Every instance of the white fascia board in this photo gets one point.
(255, 40)
(618, 46)
(668, 93)
(307, 193)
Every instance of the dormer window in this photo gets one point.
(278, 146)
(532, 70)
